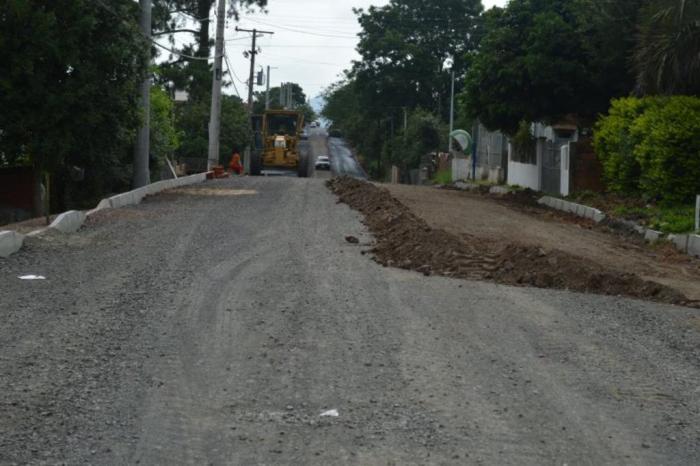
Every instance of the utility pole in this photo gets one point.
(142, 175)
(253, 52)
(267, 90)
(215, 117)
(452, 110)
(405, 123)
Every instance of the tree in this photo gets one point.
(69, 74)
(165, 138)
(423, 136)
(298, 101)
(192, 120)
(667, 57)
(543, 59)
(403, 46)
(175, 17)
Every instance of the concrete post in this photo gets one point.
(142, 175)
(215, 117)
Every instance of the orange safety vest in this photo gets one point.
(235, 164)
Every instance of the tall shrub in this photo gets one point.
(614, 145)
(651, 146)
(668, 150)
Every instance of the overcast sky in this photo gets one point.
(314, 41)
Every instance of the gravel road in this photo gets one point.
(214, 325)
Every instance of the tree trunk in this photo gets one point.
(203, 11)
(38, 193)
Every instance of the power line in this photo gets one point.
(175, 52)
(299, 31)
(304, 46)
(230, 69)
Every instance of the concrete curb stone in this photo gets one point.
(573, 208)
(680, 241)
(652, 235)
(10, 242)
(72, 220)
(68, 222)
(500, 190)
(694, 245)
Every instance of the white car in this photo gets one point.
(323, 162)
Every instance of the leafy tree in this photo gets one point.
(299, 101)
(175, 17)
(423, 135)
(192, 118)
(543, 59)
(667, 57)
(651, 146)
(165, 138)
(404, 46)
(69, 74)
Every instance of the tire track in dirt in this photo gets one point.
(406, 241)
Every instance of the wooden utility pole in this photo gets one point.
(142, 175)
(215, 116)
(253, 52)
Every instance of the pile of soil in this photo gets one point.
(406, 241)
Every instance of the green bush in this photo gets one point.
(614, 145)
(651, 146)
(443, 177)
(669, 149)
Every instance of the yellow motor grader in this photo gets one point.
(278, 142)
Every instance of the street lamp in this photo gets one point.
(449, 65)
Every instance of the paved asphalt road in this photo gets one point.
(343, 162)
(215, 325)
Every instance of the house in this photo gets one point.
(491, 158)
(562, 161)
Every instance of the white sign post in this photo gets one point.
(697, 212)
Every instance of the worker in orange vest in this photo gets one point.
(235, 164)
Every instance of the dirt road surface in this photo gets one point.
(215, 325)
(485, 218)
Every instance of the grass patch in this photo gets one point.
(665, 217)
(443, 177)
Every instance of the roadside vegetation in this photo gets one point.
(626, 70)
(69, 95)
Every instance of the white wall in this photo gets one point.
(461, 169)
(524, 174)
(565, 167)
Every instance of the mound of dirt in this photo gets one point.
(406, 241)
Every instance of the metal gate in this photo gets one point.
(551, 167)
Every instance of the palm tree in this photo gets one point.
(667, 56)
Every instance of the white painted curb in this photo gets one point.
(10, 242)
(71, 221)
(573, 208)
(499, 190)
(68, 222)
(694, 245)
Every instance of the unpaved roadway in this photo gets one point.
(491, 221)
(214, 325)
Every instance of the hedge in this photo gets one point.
(651, 146)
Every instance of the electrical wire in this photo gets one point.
(299, 31)
(150, 39)
(175, 52)
(230, 70)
